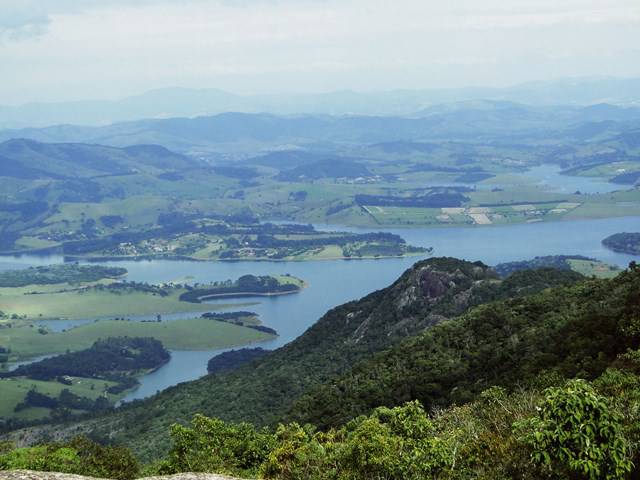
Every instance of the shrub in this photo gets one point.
(577, 434)
(79, 456)
(211, 445)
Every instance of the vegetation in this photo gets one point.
(569, 431)
(574, 331)
(577, 263)
(68, 273)
(116, 300)
(112, 355)
(188, 334)
(77, 456)
(247, 285)
(115, 362)
(573, 430)
(230, 360)
(94, 394)
(623, 243)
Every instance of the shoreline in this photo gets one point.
(143, 258)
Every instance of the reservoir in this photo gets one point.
(333, 282)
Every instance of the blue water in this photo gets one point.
(548, 177)
(334, 282)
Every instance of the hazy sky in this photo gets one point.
(75, 49)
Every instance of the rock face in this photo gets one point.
(31, 475)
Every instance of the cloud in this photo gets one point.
(22, 19)
(114, 48)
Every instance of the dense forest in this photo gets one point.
(106, 357)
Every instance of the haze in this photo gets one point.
(70, 50)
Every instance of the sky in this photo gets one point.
(61, 50)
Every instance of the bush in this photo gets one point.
(48, 458)
(79, 456)
(211, 445)
(577, 434)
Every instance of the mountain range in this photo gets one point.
(246, 133)
(178, 102)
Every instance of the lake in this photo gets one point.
(333, 282)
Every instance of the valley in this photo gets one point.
(265, 268)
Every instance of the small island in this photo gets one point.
(623, 243)
(245, 286)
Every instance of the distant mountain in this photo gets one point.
(175, 102)
(250, 134)
(29, 159)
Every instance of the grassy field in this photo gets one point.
(597, 269)
(191, 334)
(290, 280)
(90, 303)
(14, 390)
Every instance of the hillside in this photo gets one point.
(29, 159)
(572, 331)
(428, 293)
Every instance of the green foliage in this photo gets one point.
(399, 443)
(54, 274)
(574, 331)
(393, 443)
(211, 445)
(577, 434)
(79, 456)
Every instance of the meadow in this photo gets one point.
(190, 334)
(14, 390)
(57, 303)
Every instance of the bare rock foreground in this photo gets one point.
(31, 475)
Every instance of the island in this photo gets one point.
(72, 291)
(623, 243)
(245, 286)
(206, 238)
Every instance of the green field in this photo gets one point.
(91, 303)
(191, 334)
(14, 390)
(595, 269)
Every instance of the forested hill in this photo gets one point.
(263, 392)
(567, 332)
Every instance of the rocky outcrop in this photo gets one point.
(31, 475)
